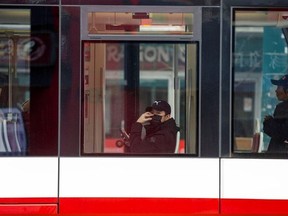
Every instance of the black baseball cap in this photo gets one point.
(283, 81)
(161, 105)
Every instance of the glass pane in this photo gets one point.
(14, 79)
(121, 80)
(139, 23)
(260, 54)
(28, 82)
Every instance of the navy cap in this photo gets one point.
(161, 105)
(283, 81)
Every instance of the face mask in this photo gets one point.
(154, 123)
(156, 120)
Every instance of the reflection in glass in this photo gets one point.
(260, 54)
(122, 79)
(15, 46)
(29, 81)
(139, 23)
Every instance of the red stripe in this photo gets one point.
(253, 206)
(23, 200)
(142, 206)
(138, 206)
(22, 209)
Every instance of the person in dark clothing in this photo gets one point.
(159, 130)
(276, 126)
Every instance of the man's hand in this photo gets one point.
(145, 117)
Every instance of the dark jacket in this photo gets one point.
(277, 129)
(161, 139)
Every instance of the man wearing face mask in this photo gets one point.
(160, 127)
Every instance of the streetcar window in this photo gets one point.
(28, 88)
(139, 23)
(120, 79)
(260, 53)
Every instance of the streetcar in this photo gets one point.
(73, 74)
